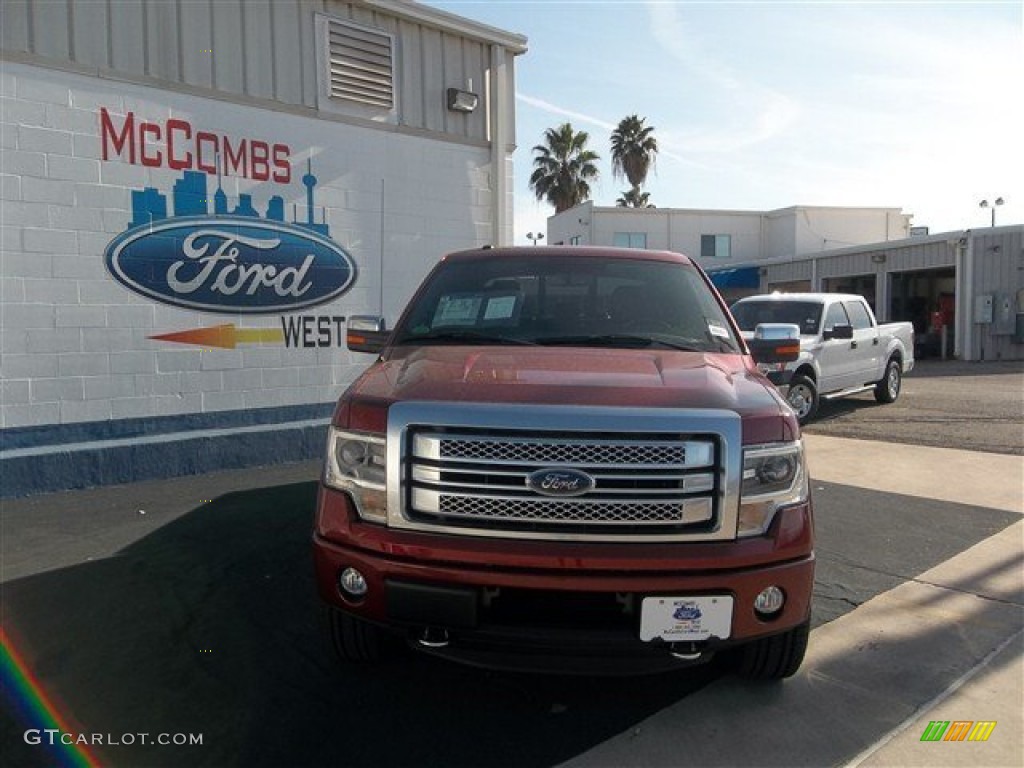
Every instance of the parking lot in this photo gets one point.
(950, 404)
(187, 607)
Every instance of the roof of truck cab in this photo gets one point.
(571, 251)
(802, 297)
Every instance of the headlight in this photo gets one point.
(773, 477)
(357, 463)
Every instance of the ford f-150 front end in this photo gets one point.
(566, 459)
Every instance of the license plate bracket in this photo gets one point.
(686, 618)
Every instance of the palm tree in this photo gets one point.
(634, 150)
(634, 198)
(563, 167)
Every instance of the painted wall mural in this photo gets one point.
(209, 253)
(184, 257)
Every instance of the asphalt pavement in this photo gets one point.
(976, 406)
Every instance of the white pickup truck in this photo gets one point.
(843, 350)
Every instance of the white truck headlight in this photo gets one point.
(774, 476)
(357, 463)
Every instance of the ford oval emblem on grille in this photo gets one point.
(560, 482)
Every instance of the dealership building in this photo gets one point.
(961, 289)
(195, 196)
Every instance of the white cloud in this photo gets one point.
(554, 109)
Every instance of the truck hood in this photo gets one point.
(570, 376)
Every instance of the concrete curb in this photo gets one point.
(863, 681)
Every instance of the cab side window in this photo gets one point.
(836, 316)
(859, 315)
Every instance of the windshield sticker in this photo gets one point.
(500, 308)
(717, 330)
(457, 310)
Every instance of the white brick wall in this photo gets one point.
(74, 343)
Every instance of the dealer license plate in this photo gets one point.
(686, 618)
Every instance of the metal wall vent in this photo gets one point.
(361, 65)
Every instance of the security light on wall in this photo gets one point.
(878, 258)
(462, 101)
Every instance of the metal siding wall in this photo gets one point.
(307, 35)
(197, 43)
(128, 37)
(431, 82)
(846, 265)
(411, 104)
(452, 76)
(785, 273)
(89, 34)
(50, 23)
(163, 46)
(14, 17)
(998, 272)
(258, 49)
(364, 16)
(228, 61)
(289, 61)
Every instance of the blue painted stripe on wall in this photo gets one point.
(85, 432)
(28, 472)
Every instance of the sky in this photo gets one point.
(765, 105)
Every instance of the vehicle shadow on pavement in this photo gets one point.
(210, 626)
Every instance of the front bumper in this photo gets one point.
(555, 605)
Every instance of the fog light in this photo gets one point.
(352, 584)
(770, 601)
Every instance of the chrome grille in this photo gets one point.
(658, 474)
(523, 451)
(644, 483)
(574, 511)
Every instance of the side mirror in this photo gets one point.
(838, 332)
(775, 343)
(365, 333)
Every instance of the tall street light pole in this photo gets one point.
(995, 203)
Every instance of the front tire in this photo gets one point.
(777, 657)
(888, 388)
(802, 397)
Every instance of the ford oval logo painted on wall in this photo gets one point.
(230, 264)
(560, 482)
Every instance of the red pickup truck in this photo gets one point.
(565, 458)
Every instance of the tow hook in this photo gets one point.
(433, 637)
(686, 651)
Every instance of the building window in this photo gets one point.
(357, 72)
(715, 246)
(630, 240)
(575, 240)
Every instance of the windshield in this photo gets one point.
(568, 301)
(806, 314)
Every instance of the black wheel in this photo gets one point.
(351, 639)
(775, 658)
(802, 396)
(888, 388)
